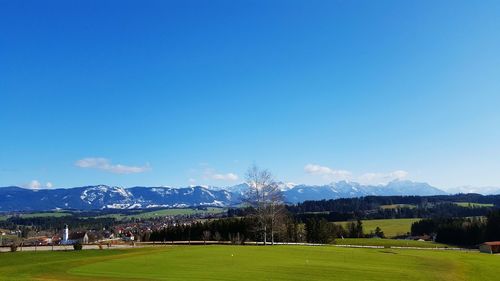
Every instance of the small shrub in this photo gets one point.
(13, 248)
(77, 247)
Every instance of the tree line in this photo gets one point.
(461, 231)
(367, 203)
(328, 210)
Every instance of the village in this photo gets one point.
(119, 233)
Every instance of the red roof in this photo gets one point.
(492, 243)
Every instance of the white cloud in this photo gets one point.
(382, 178)
(192, 181)
(225, 177)
(211, 174)
(486, 190)
(106, 165)
(327, 172)
(367, 178)
(34, 184)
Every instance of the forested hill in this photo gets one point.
(386, 207)
(374, 202)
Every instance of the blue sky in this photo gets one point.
(193, 92)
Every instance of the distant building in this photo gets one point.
(129, 236)
(56, 239)
(79, 237)
(490, 247)
(74, 237)
(65, 233)
(108, 235)
(44, 240)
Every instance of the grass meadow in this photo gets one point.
(165, 212)
(473, 205)
(390, 227)
(249, 263)
(36, 215)
(389, 243)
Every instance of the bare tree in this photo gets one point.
(217, 237)
(206, 236)
(266, 198)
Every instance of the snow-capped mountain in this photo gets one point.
(344, 189)
(485, 190)
(112, 197)
(151, 197)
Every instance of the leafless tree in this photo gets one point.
(206, 236)
(217, 237)
(265, 196)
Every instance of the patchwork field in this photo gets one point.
(249, 263)
(37, 215)
(390, 227)
(398, 206)
(473, 205)
(165, 212)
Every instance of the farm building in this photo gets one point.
(79, 237)
(490, 247)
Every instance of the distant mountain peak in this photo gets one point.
(104, 196)
(347, 189)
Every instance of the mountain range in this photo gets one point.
(15, 198)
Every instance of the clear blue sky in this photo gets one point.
(193, 92)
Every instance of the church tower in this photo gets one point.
(65, 233)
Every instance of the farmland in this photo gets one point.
(398, 206)
(165, 212)
(249, 263)
(391, 227)
(473, 205)
(37, 215)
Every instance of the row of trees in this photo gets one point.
(240, 230)
(444, 209)
(30, 225)
(349, 205)
(237, 230)
(461, 231)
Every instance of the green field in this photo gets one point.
(398, 206)
(390, 227)
(37, 215)
(173, 212)
(166, 212)
(250, 263)
(473, 205)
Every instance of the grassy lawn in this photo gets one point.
(389, 243)
(390, 227)
(473, 205)
(250, 263)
